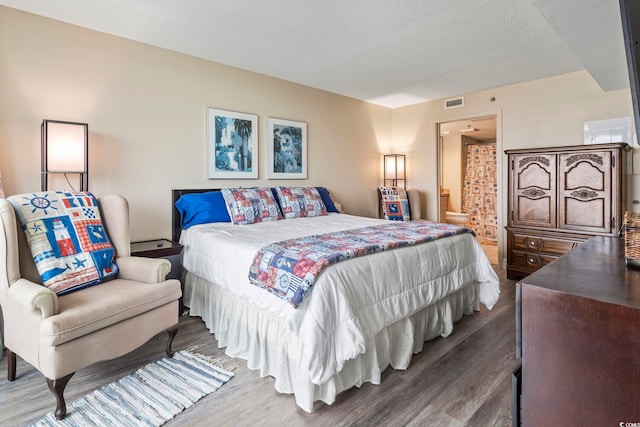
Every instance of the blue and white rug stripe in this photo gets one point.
(150, 396)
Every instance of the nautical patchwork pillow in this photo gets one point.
(67, 239)
(297, 202)
(395, 204)
(251, 205)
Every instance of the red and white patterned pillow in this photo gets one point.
(300, 202)
(395, 204)
(251, 205)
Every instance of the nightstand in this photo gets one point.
(162, 248)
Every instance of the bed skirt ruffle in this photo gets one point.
(265, 342)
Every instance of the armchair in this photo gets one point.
(59, 335)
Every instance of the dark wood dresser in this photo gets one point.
(558, 198)
(578, 323)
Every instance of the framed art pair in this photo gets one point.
(232, 146)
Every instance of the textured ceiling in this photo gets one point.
(392, 53)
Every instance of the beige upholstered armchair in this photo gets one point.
(59, 335)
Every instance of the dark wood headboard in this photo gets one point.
(176, 221)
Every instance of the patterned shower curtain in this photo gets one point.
(480, 188)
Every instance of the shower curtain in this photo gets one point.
(480, 188)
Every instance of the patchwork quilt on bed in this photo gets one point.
(288, 269)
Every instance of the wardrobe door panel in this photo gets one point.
(533, 194)
(584, 191)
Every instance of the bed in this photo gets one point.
(363, 314)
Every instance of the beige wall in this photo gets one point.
(451, 175)
(546, 112)
(146, 110)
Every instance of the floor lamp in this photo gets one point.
(65, 153)
(394, 170)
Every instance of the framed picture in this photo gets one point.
(286, 149)
(232, 144)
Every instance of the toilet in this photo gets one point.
(458, 218)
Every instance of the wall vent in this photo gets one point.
(454, 103)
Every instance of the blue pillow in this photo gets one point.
(274, 191)
(326, 199)
(202, 208)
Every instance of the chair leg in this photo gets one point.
(11, 365)
(172, 331)
(57, 388)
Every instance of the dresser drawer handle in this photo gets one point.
(533, 243)
(532, 260)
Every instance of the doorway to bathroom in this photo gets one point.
(469, 179)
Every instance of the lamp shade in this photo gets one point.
(64, 150)
(395, 170)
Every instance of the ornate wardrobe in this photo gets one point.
(558, 198)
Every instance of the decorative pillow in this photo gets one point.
(202, 208)
(251, 205)
(274, 192)
(297, 202)
(68, 242)
(395, 204)
(326, 199)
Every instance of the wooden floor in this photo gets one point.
(463, 380)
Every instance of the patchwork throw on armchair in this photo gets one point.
(68, 241)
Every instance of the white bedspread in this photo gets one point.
(351, 300)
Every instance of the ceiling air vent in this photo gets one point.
(454, 103)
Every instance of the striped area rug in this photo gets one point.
(151, 396)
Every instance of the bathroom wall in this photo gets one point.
(452, 170)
